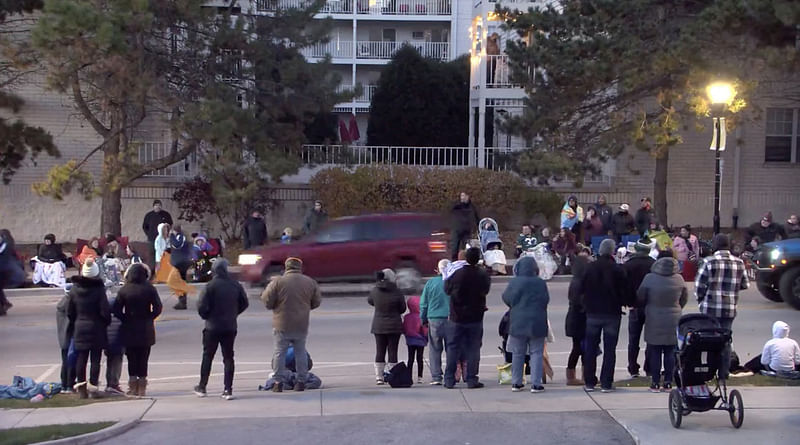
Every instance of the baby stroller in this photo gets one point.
(491, 245)
(700, 344)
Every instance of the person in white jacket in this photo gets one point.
(781, 354)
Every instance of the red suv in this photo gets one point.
(354, 248)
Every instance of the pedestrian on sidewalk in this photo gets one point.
(138, 305)
(12, 273)
(603, 289)
(291, 297)
(622, 222)
(717, 288)
(434, 308)
(644, 216)
(151, 226)
(527, 298)
(65, 329)
(575, 322)
(636, 268)
(315, 218)
(416, 336)
(464, 220)
(181, 260)
(90, 314)
(387, 322)
(255, 231)
(663, 295)
(467, 288)
(114, 351)
(220, 303)
(605, 213)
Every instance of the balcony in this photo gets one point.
(365, 7)
(368, 91)
(369, 50)
(497, 72)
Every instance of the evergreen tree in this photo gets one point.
(610, 74)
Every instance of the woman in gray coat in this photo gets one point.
(387, 323)
(663, 295)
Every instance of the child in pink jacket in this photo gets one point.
(416, 336)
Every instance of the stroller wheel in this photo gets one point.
(675, 407)
(736, 408)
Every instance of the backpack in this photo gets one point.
(400, 376)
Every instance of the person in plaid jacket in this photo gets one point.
(717, 287)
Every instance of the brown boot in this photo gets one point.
(133, 386)
(181, 305)
(142, 388)
(572, 380)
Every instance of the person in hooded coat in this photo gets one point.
(605, 213)
(11, 271)
(138, 305)
(65, 331)
(162, 258)
(50, 263)
(255, 231)
(781, 354)
(527, 297)
(575, 322)
(636, 268)
(571, 216)
(387, 322)
(663, 295)
(181, 260)
(89, 312)
(416, 336)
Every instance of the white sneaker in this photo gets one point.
(436, 383)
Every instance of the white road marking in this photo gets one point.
(47, 373)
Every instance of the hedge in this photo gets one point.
(377, 189)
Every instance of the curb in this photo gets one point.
(106, 433)
(627, 429)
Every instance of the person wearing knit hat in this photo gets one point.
(604, 291)
(765, 230)
(622, 223)
(387, 322)
(717, 285)
(636, 268)
(50, 263)
(89, 312)
(291, 297)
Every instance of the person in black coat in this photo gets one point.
(12, 273)
(181, 260)
(575, 322)
(387, 322)
(150, 227)
(636, 268)
(605, 213)
(138, 305)
(603, 289)
(467, 288)
(89, 312)
(65, 331)
(644, 216)
(464, 220)
(622, 223)
(219, 305)
(255, 231)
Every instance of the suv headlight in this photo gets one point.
(249, 259)
(775, 255)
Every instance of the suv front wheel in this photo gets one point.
(790, 286)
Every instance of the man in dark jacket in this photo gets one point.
(622, 223)
(792, 227)
(181, 259)
(315, 218)
(467, 288)
(255, 231)
(220, 303)
(644, 215)
(636, 268)
(766, 230)
(603, 288)
(465, 220)
(605, 213)
(150, 227)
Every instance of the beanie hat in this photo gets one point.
(50, 237)
(767, 217)
(90, 269)
(644, 245)
(624, 207)
(607, 247)
(387, 275)
(293, 263)
(473, 255)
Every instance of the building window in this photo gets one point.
(782, 142)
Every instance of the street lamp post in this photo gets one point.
(720, 95)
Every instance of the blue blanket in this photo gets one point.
(26, 388)
(312, 382)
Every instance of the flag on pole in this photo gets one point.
(721, 122)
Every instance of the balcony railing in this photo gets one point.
(336, 49)
(366, 95)
(379, 7)
(151, 151)
(376, 50)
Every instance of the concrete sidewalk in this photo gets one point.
(772, 414)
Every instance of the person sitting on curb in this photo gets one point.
(781, 354)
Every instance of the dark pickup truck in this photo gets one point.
(778, 273)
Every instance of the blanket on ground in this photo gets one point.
(26, 388)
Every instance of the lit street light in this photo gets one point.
(720, 94)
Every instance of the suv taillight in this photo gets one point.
(437, 246)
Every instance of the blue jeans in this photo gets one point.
(437, 329)
(463, 341)
(654, 354)
(608, 327)
(282, 342)
(519, 347)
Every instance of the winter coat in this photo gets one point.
(575, 322)
(643, 219)
(565, 245)
(181, 250)
(570, 216)
(593, 227)
(765, 234)
(416, 334)
(603, 287)
(63, 327)
(683, 248)
(434, 302)
(114, 331)
(255, 232)
(89, 312)
(151, 221)
(160, 244)
(314, 220)
(622, 224)
(606, 215)
(781, 353)
(636, 268)
(222, 300)
(527, 298)
(663, 294)
(792, 230)
(662, 239)
(138, 305)
(389, 307)
(12, 273)
(291, 298)
(465, 217)
(468, 288)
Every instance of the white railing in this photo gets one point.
(379, 7)
(498, 74)
(385, 50)
(334, 48)
(151, 151)
(366, 95)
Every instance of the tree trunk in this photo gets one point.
(111, 213)
(660, 187)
